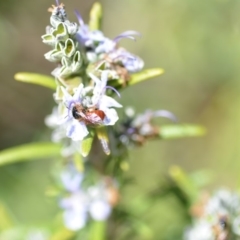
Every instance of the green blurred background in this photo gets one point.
(197, 42)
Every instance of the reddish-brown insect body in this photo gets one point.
(100, 113)
(88, 115)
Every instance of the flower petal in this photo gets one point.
(100, 210)
(107, 102)
(104, 78)
(71, 179)
(77, 94)
(111, 116)
(106, 46)
(74, 220)
(66, 96)
(77, 130)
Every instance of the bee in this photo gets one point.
(221, 229)
(90, 116)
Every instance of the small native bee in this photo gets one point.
(221, 229)
(90, 116)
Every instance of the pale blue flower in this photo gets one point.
(89, 100)
(220, 218)
(83, 202)
(117, 55)
(129, 61)
(71, 179)
(143, 121)
(85, 36)
(107, 45)
(54, 121)
(76, 130)
(97, 44)
(136, 129)
(100, 210)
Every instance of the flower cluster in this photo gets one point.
(218, 219)
(89, 106)
(100, 49)
(91, 68)
(95, 200)
(86, 60)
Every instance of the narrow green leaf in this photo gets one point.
(145, 75)
(184, 182)
(6, 220)
(98, 230)
(86, 143)
(29, 152)
(36, 78)
(78, 162)
(103, 137)
(63, 234)
(95, 16)
(181, 131)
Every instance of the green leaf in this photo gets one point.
(103, 137)
(184, 183)
(36, 78)
(63, 234)
(98, 230)
(95, 16)
(138, 77)
(29, 152)
(78, 162)
(86, 143)
(6, 220)
(145, 75)
(181, 131)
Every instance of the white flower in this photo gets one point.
(89, 106)
(236, 225)
(201, 230)
(85, 36)
(83, 202)
(220, 219)
(54, 121)
(71, 179)
(100, 210)
(130, 61)
(75, 210)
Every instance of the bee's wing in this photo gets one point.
(93, 118)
